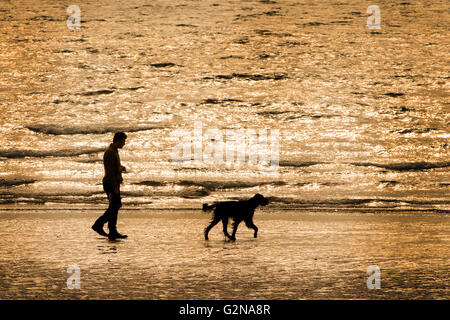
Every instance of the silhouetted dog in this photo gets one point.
(237, 210)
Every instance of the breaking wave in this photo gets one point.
(9, 182)
(406, 166)
(354, 203)
(91, 129)
(17, 154)
(298, 164)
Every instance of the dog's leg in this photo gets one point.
(235, 226)
(251, 225)
(225, 227)
(211, 225)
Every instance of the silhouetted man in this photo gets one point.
(111, 185)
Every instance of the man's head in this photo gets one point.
(119, 139)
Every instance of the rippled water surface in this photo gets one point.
(362, 113)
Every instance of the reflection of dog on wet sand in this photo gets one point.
(238, 211)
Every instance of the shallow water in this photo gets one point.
(362, 114)
(298, 255)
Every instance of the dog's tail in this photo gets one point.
(207, 208)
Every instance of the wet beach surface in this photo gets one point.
(298, 255)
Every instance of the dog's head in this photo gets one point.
(260, 200)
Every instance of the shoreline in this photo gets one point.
(269, 208)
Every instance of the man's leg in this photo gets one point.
(99, 223)
(115, 205)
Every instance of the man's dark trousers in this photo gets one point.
(111, 213)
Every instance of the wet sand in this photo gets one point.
(298, 255)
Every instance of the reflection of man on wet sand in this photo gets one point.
(111, 185)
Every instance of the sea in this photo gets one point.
(356, 114)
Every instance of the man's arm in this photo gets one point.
(120, 169)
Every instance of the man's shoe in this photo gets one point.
(116, 235)
(99, 230)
